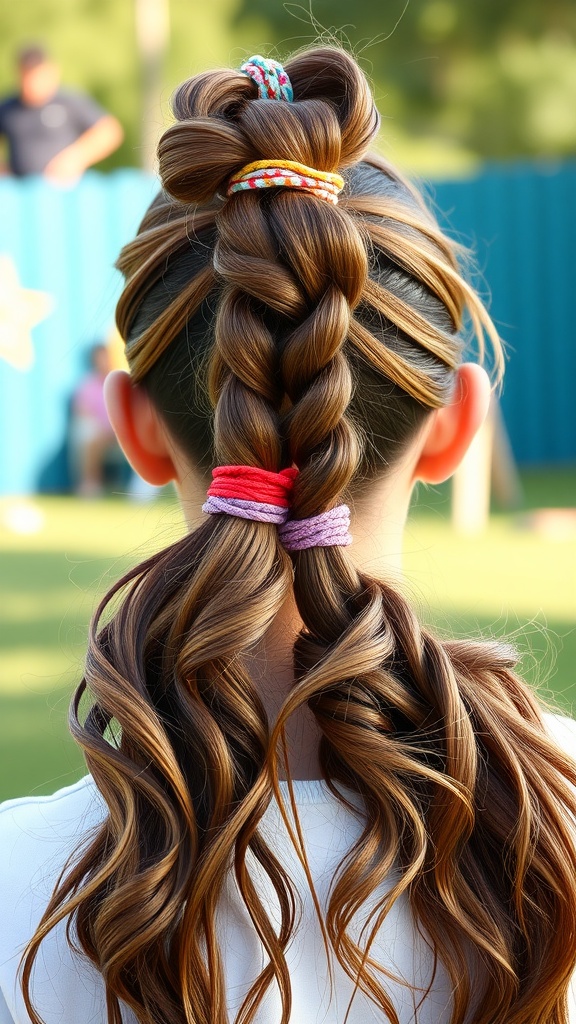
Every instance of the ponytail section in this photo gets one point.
(275, 330)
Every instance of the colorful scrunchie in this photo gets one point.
(289, 174)
(270, 77)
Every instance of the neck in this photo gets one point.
(377, 528)
(376, 550)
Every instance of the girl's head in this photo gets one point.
(271, 328)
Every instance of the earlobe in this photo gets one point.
(453, 428)
(138, 429)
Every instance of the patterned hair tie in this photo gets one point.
(326, 530)
(272, 81)
(288, 174)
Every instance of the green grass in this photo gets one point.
(509, 581)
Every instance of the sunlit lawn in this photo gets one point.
(511, 580)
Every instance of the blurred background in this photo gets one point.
(478, 104)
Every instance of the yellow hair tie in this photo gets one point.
(287, 173)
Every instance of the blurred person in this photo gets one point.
(302, 804)
(91, 434)
(53, 131)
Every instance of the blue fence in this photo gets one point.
(62, 243)
(519, 220)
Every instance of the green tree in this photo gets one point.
(94, 42)
(457, 81)
(479, 77)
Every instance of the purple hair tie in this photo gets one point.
(326, 530)
(257, 510)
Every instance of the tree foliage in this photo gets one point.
(456, 80)
(495, 79)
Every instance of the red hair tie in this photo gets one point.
(253, 484)
(250, 493)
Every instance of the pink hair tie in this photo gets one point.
(326, 530)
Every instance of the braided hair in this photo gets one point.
(273, 329)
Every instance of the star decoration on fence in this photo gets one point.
(20, 310)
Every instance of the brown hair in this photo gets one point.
(271, 329)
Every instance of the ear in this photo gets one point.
(453, 428)
(140, 431)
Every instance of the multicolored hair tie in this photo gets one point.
(326, 530)
(261, 495)
(288, 174)
(270, 77)
(250, 493)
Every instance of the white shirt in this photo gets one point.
(37, 834)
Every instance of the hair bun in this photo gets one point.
(330, 74)
(223, 123)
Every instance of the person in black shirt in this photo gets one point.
(52, 131)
